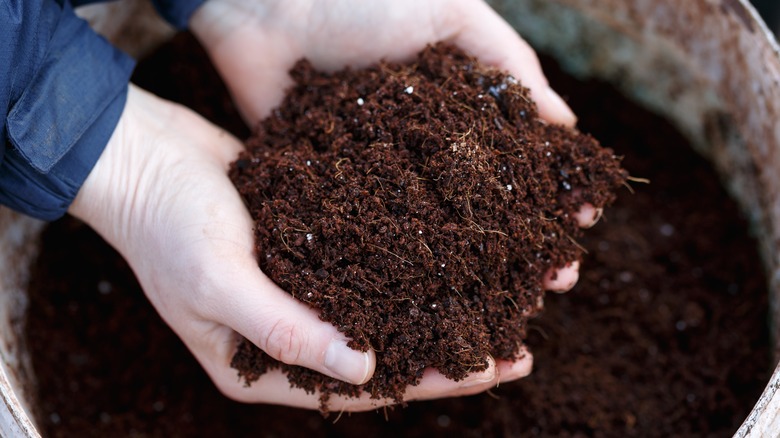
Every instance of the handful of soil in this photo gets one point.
(417, 208)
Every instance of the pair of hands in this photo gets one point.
(160, 192)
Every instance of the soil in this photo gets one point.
(417, 207)
(664, 335)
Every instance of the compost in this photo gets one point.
(417, 207)
(664, 335)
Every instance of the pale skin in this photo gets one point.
(160, 192)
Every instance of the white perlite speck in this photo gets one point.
(409, 90)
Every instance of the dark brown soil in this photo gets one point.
(416, 207)
(665, 334)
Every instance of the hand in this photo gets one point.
(255, 43)
(160, 195)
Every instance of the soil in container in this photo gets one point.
(664, 335)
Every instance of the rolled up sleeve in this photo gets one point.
(62, 91)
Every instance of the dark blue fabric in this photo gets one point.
(177, 12)
(62, 91)
(47, 196)
(79, 75)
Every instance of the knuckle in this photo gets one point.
(284, 341)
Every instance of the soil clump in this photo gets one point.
(416, 207)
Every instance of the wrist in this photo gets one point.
(201, 22)
(95, 201)
(113, 190)
(215, 19)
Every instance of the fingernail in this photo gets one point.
(486, 376)
(518, 368)
(596, 216)
(481, 377)
(570, 270)
(522, 368)
(347, 364)
(561, 109)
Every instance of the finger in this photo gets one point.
(435, 385)
(588, 215)
(495, 42)
(274, 387)
(256, 83)
(563, 279)
(509, 370)
(289, 330)
(219, 143)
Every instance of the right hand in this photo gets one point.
(254, 44)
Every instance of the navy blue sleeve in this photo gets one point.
(62, 90)
(176, 12)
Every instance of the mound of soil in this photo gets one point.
(416, 207)
(665, 334)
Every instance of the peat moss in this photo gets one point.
(417, 207)
(610, 358)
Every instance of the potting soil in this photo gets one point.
(417, 207)
(665, 334)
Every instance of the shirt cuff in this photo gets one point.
(48, 196)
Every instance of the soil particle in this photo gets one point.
(421, 221)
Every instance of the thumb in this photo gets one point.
(290, 331)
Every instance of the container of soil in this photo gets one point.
(709, 67)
